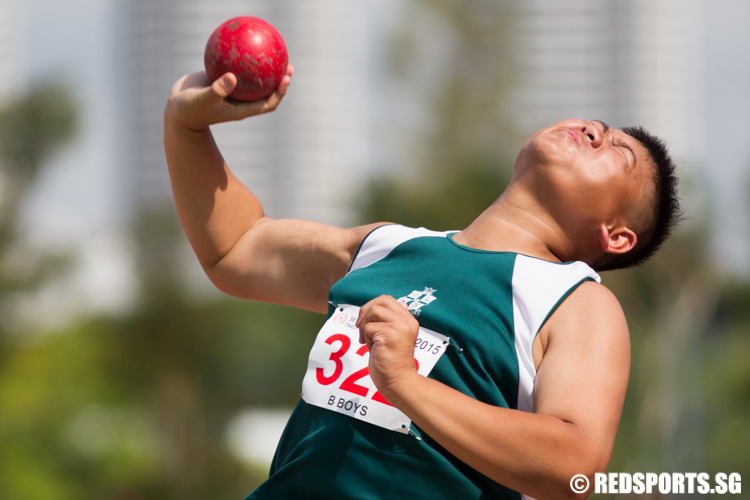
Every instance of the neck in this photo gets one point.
(513, 224)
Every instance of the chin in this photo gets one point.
(546, 149)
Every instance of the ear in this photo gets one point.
(617, 240)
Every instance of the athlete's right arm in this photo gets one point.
(244, 252)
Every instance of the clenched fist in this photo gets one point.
(390, 332)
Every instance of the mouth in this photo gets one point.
(574, 137)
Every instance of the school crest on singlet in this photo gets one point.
(416, 300)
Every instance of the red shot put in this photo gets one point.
(253, 50)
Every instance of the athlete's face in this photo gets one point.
(587, 165)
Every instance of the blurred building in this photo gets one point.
(627, 62)
(301, 161)
(8, 64)
(4, 48)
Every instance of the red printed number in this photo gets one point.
(336, 358)
(349, 384)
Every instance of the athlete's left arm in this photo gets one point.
(579, 392)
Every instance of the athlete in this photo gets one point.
(482, 363)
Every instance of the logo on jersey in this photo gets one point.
(416, 300)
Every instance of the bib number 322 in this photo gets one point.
(338, 377)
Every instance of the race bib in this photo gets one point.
(338, 377)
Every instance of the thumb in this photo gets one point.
(222, 86)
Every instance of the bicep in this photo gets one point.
(288, 262)
(583, 376)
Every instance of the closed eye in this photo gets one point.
(625, 146)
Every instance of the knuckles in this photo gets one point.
(370, 329)
(385, 316)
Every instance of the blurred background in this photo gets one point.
(124, 375)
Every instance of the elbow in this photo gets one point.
(572, 475)
(221, 281)
(577, 486)
(577, 481)
(573, 481)
(568, 486)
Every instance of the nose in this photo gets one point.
(594, 134)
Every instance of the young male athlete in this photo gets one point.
(474, 364)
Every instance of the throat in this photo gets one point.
(520, 233)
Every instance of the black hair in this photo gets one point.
(664, 214)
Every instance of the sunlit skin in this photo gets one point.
(569, 195)
(572, 186)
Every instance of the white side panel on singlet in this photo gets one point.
(381, 241)
(538, 286)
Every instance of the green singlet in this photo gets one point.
(489, 306)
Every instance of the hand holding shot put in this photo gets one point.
(247, 74)
(196, 103)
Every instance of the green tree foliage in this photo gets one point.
(137, 406)
(463, 82)
(725, 372)
(451, 202)
(33, 128)
(470, 136)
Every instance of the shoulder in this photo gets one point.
(354, 237)
(590, 315)
(383, 238)
(593, 300)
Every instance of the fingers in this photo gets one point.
(383, 310)
(397, 307)
(368, 332)
(386, 303)
(390, 332)
(216, 93)
(196, 80)
(273, 101)
(223, 86)
(196, 103)
(366, 311)
(370, 321)
(375, 312)
(239, 110)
